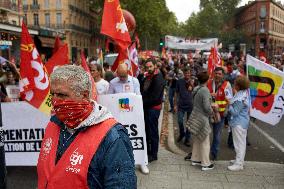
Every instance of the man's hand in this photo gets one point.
(214, 94)
(175, 108)
(7, 99)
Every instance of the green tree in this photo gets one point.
(225, 7)
(205, 23)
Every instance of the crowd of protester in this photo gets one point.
(203, 103)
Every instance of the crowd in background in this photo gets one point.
(203, 102)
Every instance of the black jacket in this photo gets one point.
(153, 95)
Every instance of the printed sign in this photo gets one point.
(23, 135)
(129, 112)
(266, 91)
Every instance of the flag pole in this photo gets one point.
(3, 171)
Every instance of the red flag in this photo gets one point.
(86, 68)
(114, 25)
(210, 62)
(57, 45)
(34, 84)
(58, 59)
(121, 58)
(129, 57)
(107, 45)
(262, 57)
(214, 60)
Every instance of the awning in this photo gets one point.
(47, 42)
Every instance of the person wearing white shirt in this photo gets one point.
(124, 83)
(101, 84)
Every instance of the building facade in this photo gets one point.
(263, 22)
(10, 30)
(71, 20)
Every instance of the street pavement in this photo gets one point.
(170, 171)
(261, 149)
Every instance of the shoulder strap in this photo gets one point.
(196, 92)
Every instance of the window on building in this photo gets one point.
(58, 4)
(46, 4)
(25, 2)
(263, 12)
(36, 23)
(35, 2)
(58, 19)
(47, 19)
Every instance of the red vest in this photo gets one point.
(72, 168)
(220, 99)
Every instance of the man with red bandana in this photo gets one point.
(83, 146)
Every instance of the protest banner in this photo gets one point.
(266, 91)
(23, 131)
(127, 109)
(173, 42)
(24, 128)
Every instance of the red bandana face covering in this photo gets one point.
(71, 113)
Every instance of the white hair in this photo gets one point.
(75, 76)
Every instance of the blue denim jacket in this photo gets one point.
(239, 114)
(112, 167)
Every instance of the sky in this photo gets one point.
(184, 8)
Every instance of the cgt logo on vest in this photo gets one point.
(75, 159)
(46, 148)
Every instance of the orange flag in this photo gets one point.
(34, 83)
(114, 25)
(58, 59)
(86, 68)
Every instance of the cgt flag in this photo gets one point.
(60, 58)
(114, 25)
(57, 45)
(34, 83)
(266, 91)
(214, 61)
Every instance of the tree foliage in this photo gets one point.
(211, 19)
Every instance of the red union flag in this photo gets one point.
(114, 25)
(58, 59)
(34, 84)
(57, 45)
(121, 58)
(214, 61)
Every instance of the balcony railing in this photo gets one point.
(8, 5)
(77, 28)
(83, 13)
(34, 7)
(55, 26)
(25, 8)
